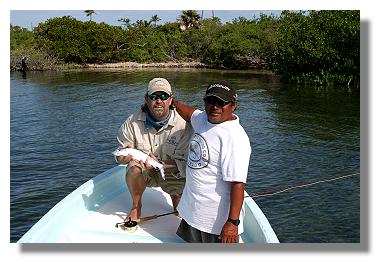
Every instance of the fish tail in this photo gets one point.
(162, 172)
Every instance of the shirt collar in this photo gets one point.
(171, 121)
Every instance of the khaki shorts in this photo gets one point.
(171, 185)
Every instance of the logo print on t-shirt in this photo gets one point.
(198, 156)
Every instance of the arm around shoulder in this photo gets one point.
(184, 110)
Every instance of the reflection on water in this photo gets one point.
(64, 126)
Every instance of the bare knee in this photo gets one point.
(134, 171)
(135, 180)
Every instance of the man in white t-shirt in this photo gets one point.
(217, 165)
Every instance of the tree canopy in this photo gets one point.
(320, 47)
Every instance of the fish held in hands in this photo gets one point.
(140, 156)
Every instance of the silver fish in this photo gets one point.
(140, 156)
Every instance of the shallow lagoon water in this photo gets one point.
(64, 126)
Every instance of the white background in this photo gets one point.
(290, 255)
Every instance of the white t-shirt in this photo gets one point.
(218, 155)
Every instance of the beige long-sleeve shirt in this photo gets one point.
(171, 142)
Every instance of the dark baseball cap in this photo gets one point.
(221, 89)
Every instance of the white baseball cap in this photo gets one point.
(159, 84)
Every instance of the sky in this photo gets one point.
(31, 18)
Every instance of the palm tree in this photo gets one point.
(189, 19)
(142, 23)
(212, 14)
(89, 13)
(155, 19)
(125, 22)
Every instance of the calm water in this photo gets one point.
(64, 126)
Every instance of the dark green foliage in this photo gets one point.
(80, 42)
(315, 47)
(23, 45)
(242, 44)
(65, 37)
(175, 47)
(21, 38)
(321, 47)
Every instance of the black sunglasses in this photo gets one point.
(163, 96)
(215, 100)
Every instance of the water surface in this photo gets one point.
(64, 126)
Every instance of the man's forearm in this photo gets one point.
(184, 110)
(237, 196)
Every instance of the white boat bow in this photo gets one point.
(89, 215)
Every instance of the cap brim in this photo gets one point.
(217, 96)
(149, 92)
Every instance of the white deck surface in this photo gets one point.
(89, 215)
(99, 227)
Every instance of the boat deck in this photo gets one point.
(89, 215)
(99, 226)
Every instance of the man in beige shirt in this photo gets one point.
(161, 132)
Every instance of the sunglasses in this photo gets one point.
(215, 100)
(163, 96)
